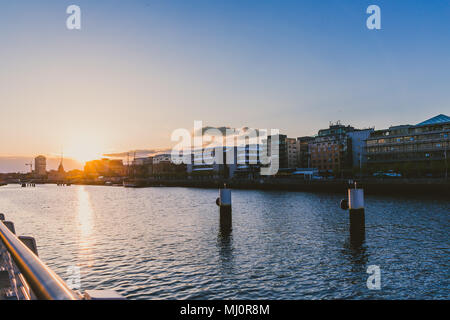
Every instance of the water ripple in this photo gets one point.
(165, 243)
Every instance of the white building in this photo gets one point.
(214, 161)
(165, 157)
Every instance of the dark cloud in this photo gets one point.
(223, 130)
(139, 153)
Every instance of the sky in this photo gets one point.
(138, 70)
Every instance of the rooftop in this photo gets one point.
(441, 118)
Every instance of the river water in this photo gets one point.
(166, 243)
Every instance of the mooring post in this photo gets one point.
(357, 214)
(355, 206)
(224, 203)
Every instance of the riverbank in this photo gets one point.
(387, 187)
(433, 187)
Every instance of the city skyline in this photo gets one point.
(18, 163)
(138, 70)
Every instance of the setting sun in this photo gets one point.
(83, 148)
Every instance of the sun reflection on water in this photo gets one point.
(85, 212)
(86, 227)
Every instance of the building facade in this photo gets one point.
(40, 166)
(331, 150)
(163, 166)
(358, 139)
(104, 168)
(248, 160)
(420, 149)
(215, 162)
(141, 167)
(303, 154)
(281, 144)
(292, 153)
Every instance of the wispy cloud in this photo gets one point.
(139, 153)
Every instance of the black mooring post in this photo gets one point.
(355, 206)
(225, 209)
(356, 215)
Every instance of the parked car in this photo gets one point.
(389, 174)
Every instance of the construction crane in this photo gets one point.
(31, 166)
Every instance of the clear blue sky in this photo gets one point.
(140, 69)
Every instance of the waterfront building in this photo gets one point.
(141, 167)
(413, 150)
(303, 155)
(331, 149)
(214, 162)
(164, 167)
(161, 163)
(282, 150)
(162, 158)
(142, 161)
(292, 152)
(75, 175)
(117, 168)
(358, 140)
(40, 166)
(248, 160)
(104, 168)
